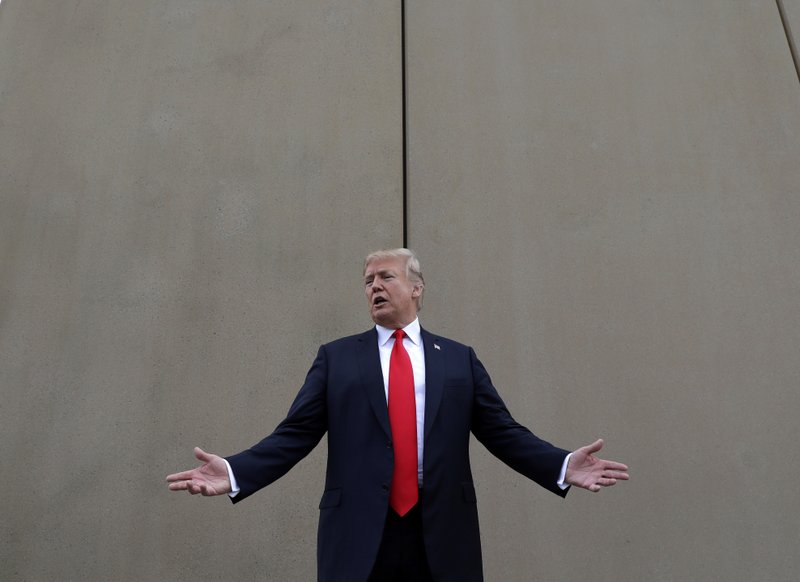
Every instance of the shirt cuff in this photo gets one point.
(561, 476)
(234, 485)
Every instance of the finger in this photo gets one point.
(179, 486)
(201, 455)
(616, 475)
(593, 448)
(182, 476)
(207, 490)
(614, 465)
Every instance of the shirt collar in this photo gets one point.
(412, 331)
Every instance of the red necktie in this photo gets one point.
(403, 418)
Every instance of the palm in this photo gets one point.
(210, 478)
(587, 471)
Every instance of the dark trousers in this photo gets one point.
(401, 557)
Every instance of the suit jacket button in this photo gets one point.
(388, 444)
(385, 487)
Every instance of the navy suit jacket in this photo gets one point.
(344, 395)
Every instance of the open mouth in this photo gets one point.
(378, 301)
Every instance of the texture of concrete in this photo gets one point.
(187, 191)
(791, 9)
(606, 200)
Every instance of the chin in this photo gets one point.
(382, 319)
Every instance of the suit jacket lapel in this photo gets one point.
(434, 378)
(369, 363)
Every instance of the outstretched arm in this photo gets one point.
(210, 478)
(587, 471)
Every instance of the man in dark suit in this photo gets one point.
(398, 408)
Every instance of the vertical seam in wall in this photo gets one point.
(404, 123)
(789, 38)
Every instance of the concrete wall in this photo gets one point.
(791, 15)
(792, 11)
(607, 198)
(604, 197)
(188, 191)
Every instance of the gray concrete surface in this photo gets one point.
(792, 10)
(187, 191)
(606, 197)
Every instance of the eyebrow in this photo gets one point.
(380, 272)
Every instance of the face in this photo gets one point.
(390, 294)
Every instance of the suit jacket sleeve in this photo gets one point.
(295, 437)
(509, 441)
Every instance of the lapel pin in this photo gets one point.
(437, 346)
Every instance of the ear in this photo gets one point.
(416, 291)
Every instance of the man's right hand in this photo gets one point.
(210, 478)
